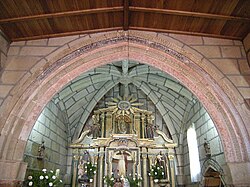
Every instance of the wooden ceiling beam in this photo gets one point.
(66, 34)
(184, 32)
(187, 13)
(62, 14)
(125, 14)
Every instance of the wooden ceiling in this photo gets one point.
(36, 19)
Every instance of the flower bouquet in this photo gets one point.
(134, 181)
(110, 181)
(157, 172)
(44, 178)
(90, 171)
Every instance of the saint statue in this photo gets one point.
(41, 150)
(161, 162)
(150, 127)
(122, 127)
(95, 128)
(122, 165)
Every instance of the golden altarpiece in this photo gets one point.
(123, 142)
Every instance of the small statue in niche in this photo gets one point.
(41, 151)
(95, 128)
(207, 148)
(82, 176)
(161, 161)
(150, 127)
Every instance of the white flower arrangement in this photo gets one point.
(157, 172)
(44, 178)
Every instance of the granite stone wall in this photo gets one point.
(51, 127)
(205, 129)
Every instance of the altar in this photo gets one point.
(122, 147)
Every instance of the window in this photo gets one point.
(193, 154)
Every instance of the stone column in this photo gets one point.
(74, 177)
(239, 173)
(172, 168)
(12, 173)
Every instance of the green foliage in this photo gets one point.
(43, 178)
(134, 182)
(157, 172)
(110, 181)
(90, 170)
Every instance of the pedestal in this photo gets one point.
(161, 182)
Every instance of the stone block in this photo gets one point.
(170, 39)
(209, 51)
(55, 146)
(240, 173)
(40, 42)
(4, 90)
(188, 39)
(244, 66)
(61, 40)
(240, 81)
(3, 60)
(21, 62)
(4, 44)
(246, 42)
(227, 66)
(12, 77)
(58, 54)
(214, 145)
(36, 51)
(245, 92)
(19, 43)
(13, 51)
(217, 41)
(231, 52)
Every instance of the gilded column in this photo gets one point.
(150, 158)
(109, 124)
(143, 125)
(95, 177)
(144, 162)
(103, 123)
(100, 169)
(137, 124)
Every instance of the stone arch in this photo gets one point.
(138, 47)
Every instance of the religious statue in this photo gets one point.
(122, 127)
(95, 128)
(207, 148)
(81, 167)
(118, 183)
(41, 151)
(160, 159)
(161, 162)
(150, 127)
(122, 163)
